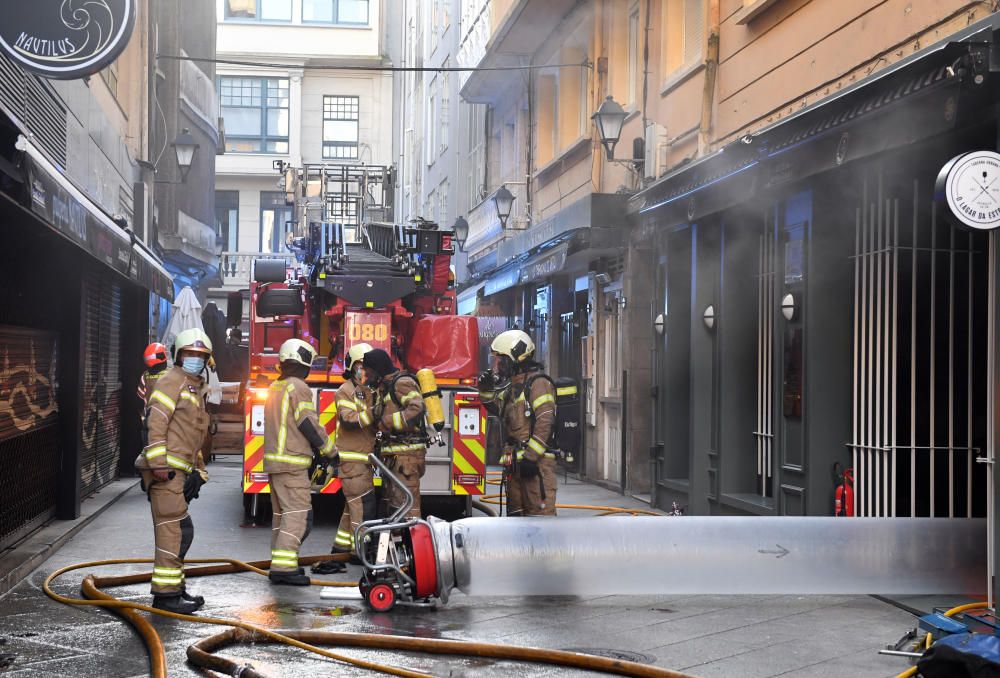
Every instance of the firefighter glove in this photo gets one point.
(527, 468)
(485, 382)
(193, 483)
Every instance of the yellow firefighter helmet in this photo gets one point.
(514, 344)
(192, 340)
(355, 354)
(297, 351)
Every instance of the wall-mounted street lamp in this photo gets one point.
(185, 148)
(461, 228)
(504, 202)
(609, 119)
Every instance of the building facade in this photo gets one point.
(319, 96)
(760, 290)
(87, 280)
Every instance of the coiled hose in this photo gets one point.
(201, 653)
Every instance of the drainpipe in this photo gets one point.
(711, 69)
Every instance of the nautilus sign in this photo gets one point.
(65, 39)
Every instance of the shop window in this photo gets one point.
(256, 114)
(340, 127)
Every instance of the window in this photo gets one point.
(442, 207)
(256, 114)
(683, 31)
(562, 115)
(632, 74)
(430, 130)
(259, 10)
(340, 127)
(227, 220)
(443, 102)
(275, 221)
(477, 153)
(335, 11)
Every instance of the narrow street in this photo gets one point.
(702, 635)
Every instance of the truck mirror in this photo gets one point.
(234, 309)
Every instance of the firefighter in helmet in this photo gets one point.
(355, 441)
(526, 404)
(292, 436)
(155, 358)
(176, 423)
(404, 441)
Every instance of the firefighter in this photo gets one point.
(292, 436)
(155, 357)
(355, 441)
(528, 420)
(404, 441)
(176, 422)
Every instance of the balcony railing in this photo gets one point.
(235, 267)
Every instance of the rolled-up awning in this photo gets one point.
(64, 208)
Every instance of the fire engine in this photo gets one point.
(356, 278)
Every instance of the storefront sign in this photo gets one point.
(544, 267)
(65, 209)
(66, 39)
(971, 186)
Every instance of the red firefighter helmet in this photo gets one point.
(155, 354)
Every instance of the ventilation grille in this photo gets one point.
(37, 105)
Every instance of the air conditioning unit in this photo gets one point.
(656, 150)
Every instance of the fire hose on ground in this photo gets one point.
(417, 562)
(202, 652)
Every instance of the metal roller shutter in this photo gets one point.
(29, 429)
(102, 387)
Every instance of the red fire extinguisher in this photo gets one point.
(843, 495)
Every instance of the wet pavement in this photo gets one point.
(800, 636)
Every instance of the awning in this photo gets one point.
(65, 209)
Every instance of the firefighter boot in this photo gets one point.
(175, 603)
(197, 600)
(329, 567)
(288, 578)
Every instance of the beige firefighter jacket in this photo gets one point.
(403, 422)
(355, 422)
(518, 408)
(177, 422)
(286, 449)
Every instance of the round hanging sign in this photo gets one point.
(971, 185)
(66, 39)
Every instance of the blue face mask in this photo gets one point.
(193, 365)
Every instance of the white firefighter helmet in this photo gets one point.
(355, 354)
(297, 351)
(193, 339)
(514, 344)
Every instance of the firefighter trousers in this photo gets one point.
(359, 497)
(409, 468)
(291, 501)
(535, 496)
(173, 532)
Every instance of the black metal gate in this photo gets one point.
(100, 437)
(29, 429)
